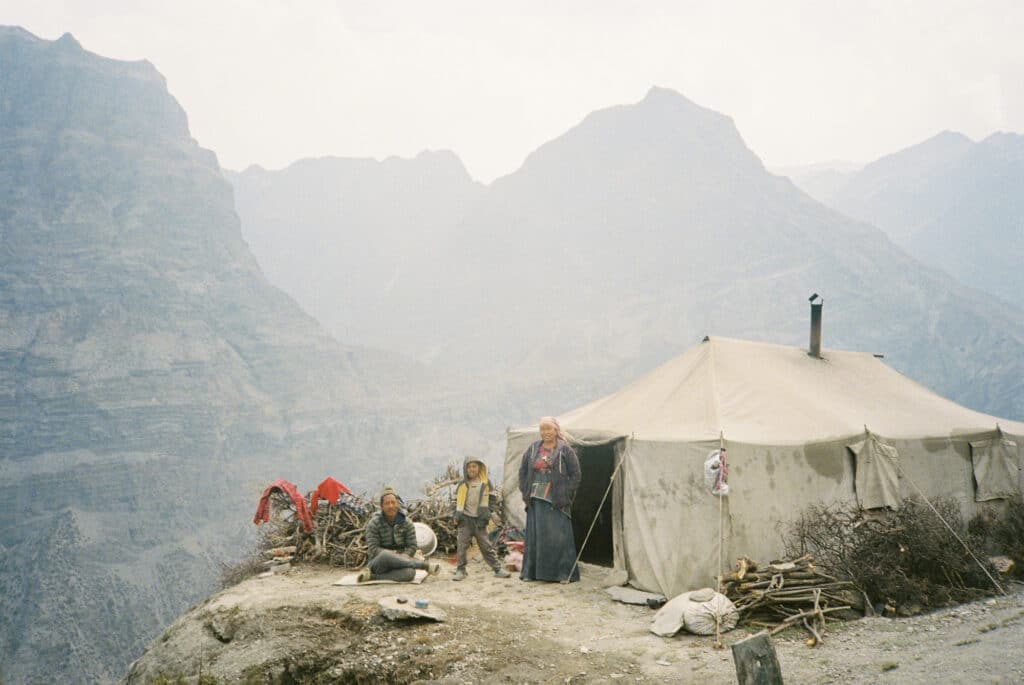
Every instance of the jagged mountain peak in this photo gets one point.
(427, 163)
(943, 148)
(1004, 144)
(952, 203)
(59, 86)
(667, 108)
(17, 33)
(949, 136)
(663, 135)
(1004, 137)
(667, 98)
(69, 41)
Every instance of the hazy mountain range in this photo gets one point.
(949, 201)
(618, 245)
(153, 377)
(822, 179)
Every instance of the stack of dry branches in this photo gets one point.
(899, 558)
(337, 534)
(786, 593)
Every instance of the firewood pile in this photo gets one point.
(787, 593)
(337, 534)
(279, 561)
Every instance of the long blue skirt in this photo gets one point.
(550, 552)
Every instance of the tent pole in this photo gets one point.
(721, 445)
(718, 574)
(596, 514)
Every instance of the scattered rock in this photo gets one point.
(628, 595)
(909, 610)
(223, 627)
(392, 610)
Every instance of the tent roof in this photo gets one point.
(759, 393)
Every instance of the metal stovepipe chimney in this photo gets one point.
(814, 348)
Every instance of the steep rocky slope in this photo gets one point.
(151, 379)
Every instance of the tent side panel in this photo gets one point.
(515, 512)
(941, 467)
(1019, 439)
(770, 485)
(669, 519)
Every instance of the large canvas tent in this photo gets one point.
(798, 429)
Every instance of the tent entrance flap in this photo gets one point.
(597, 462)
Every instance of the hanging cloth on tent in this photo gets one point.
(330, 490)
(995, 469)
(716, 472)
(876, 481)
(263, 508)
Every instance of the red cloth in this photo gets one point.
(330, 490)
(263, 508)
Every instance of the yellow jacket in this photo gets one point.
(484, 505)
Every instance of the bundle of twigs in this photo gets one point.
(337, 534)
(786, 593)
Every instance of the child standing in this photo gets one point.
(472, 512)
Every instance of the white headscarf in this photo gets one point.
(554, 422)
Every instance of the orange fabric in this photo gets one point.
(330, 490)
(263, 508)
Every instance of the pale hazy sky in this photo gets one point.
(272, 81)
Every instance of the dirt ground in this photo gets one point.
(299, 628)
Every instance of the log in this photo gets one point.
(793, 619)
(281, 551)
(756, 662)
(782, 566)
(815, 638)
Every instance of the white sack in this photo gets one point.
(698, 611)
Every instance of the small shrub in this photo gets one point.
(903, 557)
(233, 574)
(1003, 534)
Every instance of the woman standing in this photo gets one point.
(548, 477)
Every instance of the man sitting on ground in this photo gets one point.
(391, 544)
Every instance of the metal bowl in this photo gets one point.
(426, 540)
